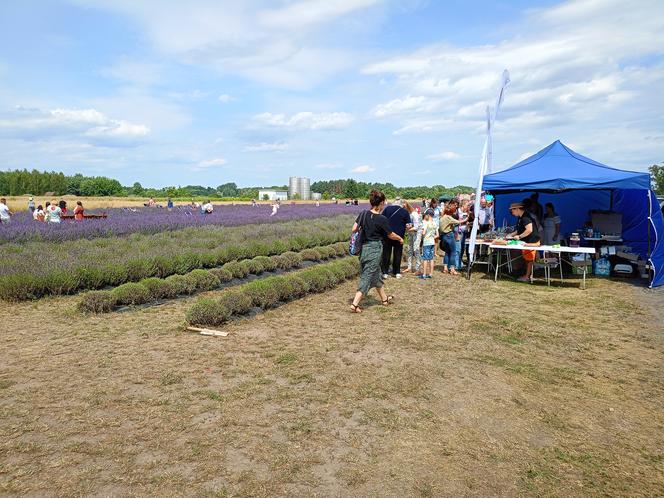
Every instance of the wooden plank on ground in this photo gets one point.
(216, 333)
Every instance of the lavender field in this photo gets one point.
(121, 222)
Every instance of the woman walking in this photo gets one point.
(374, 228)
(447, 225)
(414, 240)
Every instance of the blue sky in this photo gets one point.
(207, 92)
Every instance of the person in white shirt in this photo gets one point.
(5, 212)
(414, 230)
(551, 225)
(485, 216)
(207, 208)
(53, 211)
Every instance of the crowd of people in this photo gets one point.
(51, 212)
(438, 228)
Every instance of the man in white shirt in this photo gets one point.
(485, 216)
(5, 213)
(207, 208)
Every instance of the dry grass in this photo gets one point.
(458, 389)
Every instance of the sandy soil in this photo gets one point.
(458, 389)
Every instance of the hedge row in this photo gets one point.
(266, 293)
(119, 262)
(153, 289)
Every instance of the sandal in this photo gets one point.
(355, 308)
(388, 301)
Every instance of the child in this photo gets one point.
(429, 242)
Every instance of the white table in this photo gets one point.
(559, 250)
(478, 255)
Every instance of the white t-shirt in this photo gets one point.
(550, 230)
(4, 211)
(207, 208)
(54, 213)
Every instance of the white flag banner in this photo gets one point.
(486, 166)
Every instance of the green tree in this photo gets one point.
(137, 189)
(227, 190)
(657, 175)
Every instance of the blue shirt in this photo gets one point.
(397, 217)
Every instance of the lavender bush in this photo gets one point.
(122, 222)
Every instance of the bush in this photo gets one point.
(138, 269)
(326, 252)
(21, 286)
(315, 279)
(158, 288)
(311, 255)
(236, 301)
(340, 248)
(300, 286)
(253, 266)
(90, 278)
(208, 312)
(184, 263)
(269, 262)
(182, 284)
(289, 260)
(237, 269)
(97, 302)
(205, 280)
(285, 288)
(131, 293)
(61, 282)
(338, 272)
(262, 293)
(163, 266)
(222, 274)
(351, 267)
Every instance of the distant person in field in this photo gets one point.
(429, 242)
(207, 207)
(169, 204)
(54, 212)
(399, 219)
(78, 211)
(39, 214)
(375, 228)
(275, 208)
(253, 203)
(151, 202)
(31, 204)
(5, 212)
(62, 205)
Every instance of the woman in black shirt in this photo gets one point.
(374, 228)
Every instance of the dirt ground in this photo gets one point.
(458, 389)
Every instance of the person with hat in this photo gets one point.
(526, 230)
(31, 204)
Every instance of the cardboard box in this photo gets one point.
(627, 255)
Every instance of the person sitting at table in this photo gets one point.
(526, 230)
(551, 225)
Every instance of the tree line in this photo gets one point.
(24, 182)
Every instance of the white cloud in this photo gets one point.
(210, 163)
(444, 156)
(577, 67)
(305, 120)
(309, 12)
(86, 125)
(403, 106)
(365, 168)
(275, 46)
(267, 147)
(224, 98)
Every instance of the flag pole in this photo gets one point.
(486, 165)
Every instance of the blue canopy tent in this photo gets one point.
(576, 184)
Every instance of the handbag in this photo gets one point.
(355, 245)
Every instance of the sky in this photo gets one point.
(206, 92)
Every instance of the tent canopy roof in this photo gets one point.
(557, 168)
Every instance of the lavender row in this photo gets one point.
(120, 222)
